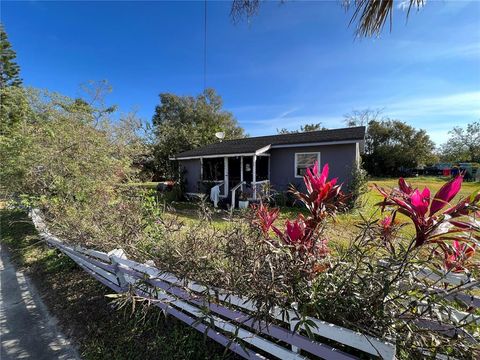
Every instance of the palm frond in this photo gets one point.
(372, 15)
(243, 8)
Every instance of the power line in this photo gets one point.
(205, 48)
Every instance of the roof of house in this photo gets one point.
(252, 145)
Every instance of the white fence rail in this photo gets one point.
(229, 320)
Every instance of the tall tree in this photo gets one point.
(303, 128)
(184, 122)
(391, 145)
(369, 15)
(9, 69)
(463, 145)
(362, 117)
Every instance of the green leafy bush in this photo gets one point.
(357, 187)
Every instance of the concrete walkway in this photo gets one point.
(27, 331)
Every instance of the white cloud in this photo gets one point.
(269, 126)
(404, 5)
(436, 114)
(459, 104)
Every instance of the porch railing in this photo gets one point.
(234, 189)
(263, 190)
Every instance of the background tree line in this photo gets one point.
(392, 145)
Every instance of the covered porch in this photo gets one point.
(247, 174)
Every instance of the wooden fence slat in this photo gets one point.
(450, 278)
(282, 334)
(93, 253)
(457, 316)
(218, 337)
(221, 324)
(104, 281)
(344, 336)
(241, 334)
(446, 329)
(100, 264)
(109, 276)
(273, 330)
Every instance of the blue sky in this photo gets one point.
(292, 64)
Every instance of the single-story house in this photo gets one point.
(277, 160)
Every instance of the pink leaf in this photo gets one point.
(446, 193)
(419, 201)
(404, 187)
(324, 174)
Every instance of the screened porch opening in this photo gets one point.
(213, 169)
(235, 173)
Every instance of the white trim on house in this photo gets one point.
(254, 175)
(225, 175)
(241, 171)
(316, 144)
(216, 156)
(357, 155)
(263, 149)
(305, 153)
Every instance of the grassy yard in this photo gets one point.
(344, 227)
(85, 314)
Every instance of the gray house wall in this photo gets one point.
(340, 159)
(191, 171)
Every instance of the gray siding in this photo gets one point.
(191, 169)
(340, 159)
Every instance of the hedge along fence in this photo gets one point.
(228, 319)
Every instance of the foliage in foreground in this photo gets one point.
(67, 156)
(376, 274)
(83, 311)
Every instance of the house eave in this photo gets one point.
(317, 144)
(217, 156)
(263, 151)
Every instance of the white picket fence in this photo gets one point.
(229, 321)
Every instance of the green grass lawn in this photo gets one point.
(433, 183)
(344, 226)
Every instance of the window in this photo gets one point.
(303, 161)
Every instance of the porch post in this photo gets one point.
(241, 171)
(268, 169)
(254, 177)
(357, 155)
(225, 174)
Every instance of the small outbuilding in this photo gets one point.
(274, 162)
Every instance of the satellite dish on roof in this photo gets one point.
(220, 135)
